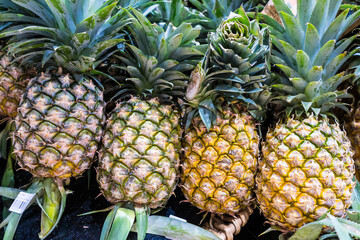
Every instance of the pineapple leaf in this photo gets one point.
(304, 9)
(9, 192)
(340, 229)
(46, 57)
(290, 72)
(61, 14)
(176, 229)
(286, 88)
(310, 231)
(324, 53)
(324, 98)
(312, 90)
(342, 46)
(312, 41)
(356, 197)
(37, 8)
(9, 17)
(303, 63)
(174, 43)
(295, 33)
(315, 74)
(299, 83)
(319, 17)
(141, 221)
(333, 66)
(206, 110)
(289, 51)
(121, 225)
(108, 223)
(333, 31)
(55, 210)
(218, 10)
(281, 6)
(353, 216)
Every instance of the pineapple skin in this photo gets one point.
(12, 85)
(139, 159)
(307, 169)
(353, 130)
(219, 166)
(59, 126)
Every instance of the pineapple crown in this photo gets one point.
(175, 12)
(309, 54)
(234, 69)
(240, 45)
(157, 59)
(74, 35)
(217, 10)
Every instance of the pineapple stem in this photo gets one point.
(54, 201)
(142, 213)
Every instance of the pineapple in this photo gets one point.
(12, 85)
(221, 144)
(59, 123)
(352, 123)
(307, 167)
(13, 78)
(139, 159)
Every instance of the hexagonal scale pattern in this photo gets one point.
(59, 126)
(218, 174)
(139, 159)
(307, 170)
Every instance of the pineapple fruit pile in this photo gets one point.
(232, 106)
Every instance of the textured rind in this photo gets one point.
(307, 169)
(12, 85)
(219, 165)
(139, 159)
(59, 126)
(353, 131)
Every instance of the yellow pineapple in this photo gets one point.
(221, 143)
(307, 167)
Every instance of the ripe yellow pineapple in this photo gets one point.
(221, 143)
(307, 170)
(220, 163)
(307, 167)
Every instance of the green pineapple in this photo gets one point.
(59, 125)
(138, 163)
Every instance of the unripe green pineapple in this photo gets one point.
(140, 156)
(61, 114)
(13, 80)
(139, 159)
(59, 126)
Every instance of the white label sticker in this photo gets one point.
(21, 202)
